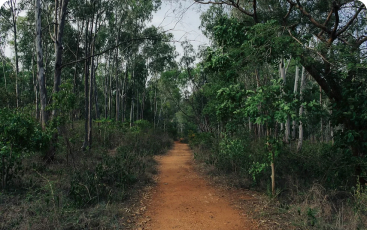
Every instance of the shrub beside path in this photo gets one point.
(184, 200)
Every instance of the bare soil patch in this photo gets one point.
(182, 199)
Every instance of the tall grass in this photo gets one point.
(95, 189)
(315, 185)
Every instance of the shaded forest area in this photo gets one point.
(91, 92)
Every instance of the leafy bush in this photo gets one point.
(232, 155)
(322, 163)
(200, 140)
(20, 136)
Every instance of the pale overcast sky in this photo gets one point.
(181, 18)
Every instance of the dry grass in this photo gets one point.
(42, 199)
(294, 208)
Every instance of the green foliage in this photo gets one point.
(141, 126)
(20, 137)
(64, 102)
(233, 155)
(201, 140)
(118, 169)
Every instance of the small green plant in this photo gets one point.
(311, 214)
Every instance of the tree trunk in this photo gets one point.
(287, 124)
(4, 75)
(132, 98)
(14, 18)
(86, 90)
(143, 104)
(272, 176)
(295, 91)
(40, 67)
(110, 92)
(35, 89)
(137, 103)
(321, 121)
(106, 86)
(117, 99)
(155, 103)
(90, 99)
(300, 127)
(96, 91)
(249, 125)
(117, 82)
(282, 76)
(124, 94)
(59, 48)
(76, 58)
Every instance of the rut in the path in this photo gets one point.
(183, 200)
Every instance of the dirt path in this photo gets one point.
(184, 200)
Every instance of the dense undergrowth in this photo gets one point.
(94, 189)
(315, 187)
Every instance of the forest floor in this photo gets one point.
(184, 199)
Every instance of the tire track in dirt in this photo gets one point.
(184, 200)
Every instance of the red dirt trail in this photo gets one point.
(184, 200)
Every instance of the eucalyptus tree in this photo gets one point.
(40, 65)
(9, 16)
(60, 18)
(160, 57)
(339, 27)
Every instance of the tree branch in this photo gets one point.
(333, 33)
(308, 15)
(326, 22)
(359, 43)
(289, 12)
(230, 3)
(111, 48)
(350, 21)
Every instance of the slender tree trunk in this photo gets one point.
(59, 48)
(287, 124)
(124, 94)
(137, 103)
(6, 91)
(321, 121)
(90, 100)
(295, 90)
(96, 91)
(106, 89)
(300, 127)
(15, 34)
(249, 125)
(86, 90)
(40, 67)
(117, 81)
(110, 91)
(155, 104)
(143, 104)
(117, 99)
(4, 76)
(132, 98)
(76, 58)
(282, 76)
(331, 130)
(272, 174)
(35, 89)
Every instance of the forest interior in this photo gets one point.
(269, 119)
